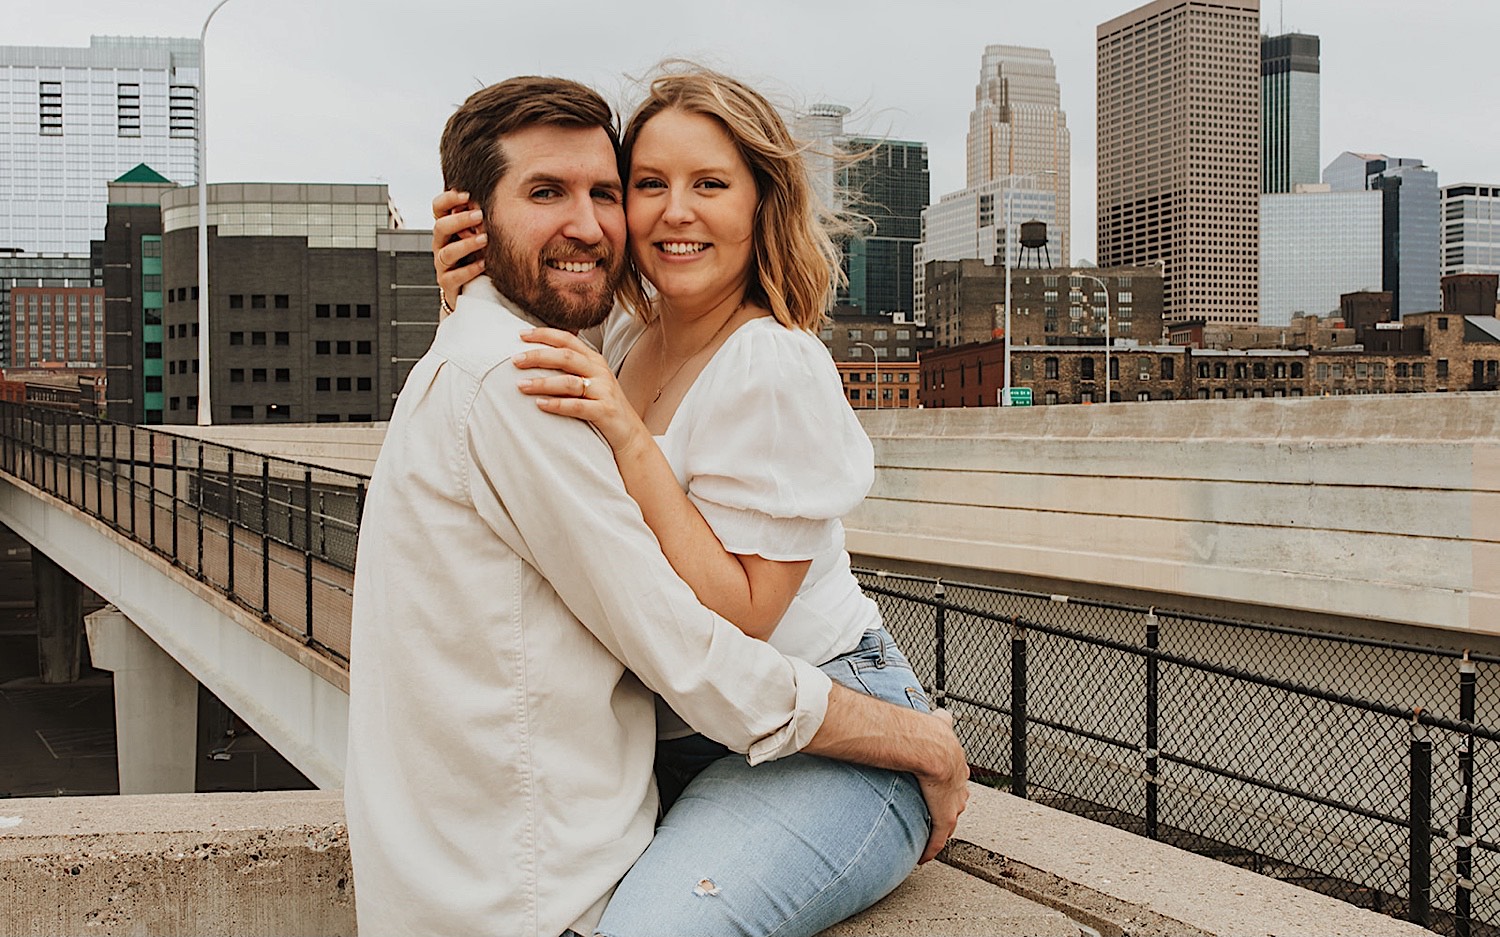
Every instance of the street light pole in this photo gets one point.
(1010, 239)
(1107, 340)
(876, 355)
(205, 408)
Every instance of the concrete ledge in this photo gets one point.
(278, 863)
(243, 864)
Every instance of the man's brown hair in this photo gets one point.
(473, 160)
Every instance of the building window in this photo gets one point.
(1114, 369)
(182, 114)
(278, 411)
(856, 334)
(322, 310)
(257, 338)
(341, 310)
(1239, 370)
(1322, 371)
(856, 351)
(1442, 323)
(1203, 369)
(1168, 369)
(326, 418)
(365, 384)
(258, 301)
(153, 383)
(324, 383)
(363, 348)
(1297, 369)
(1050, 397)
(1401, 370)
(322, 348)
(1278, 370)
(236, 375)
(1049, 369)
(50, 108)
(362, 311)
(360, 418)
(345, 348)
(283, 338)
(128, 110)
(258, 375)
(1418, 369)
(1377, 369)
(1086, 369)
(1221, 370)
(283, 375)
(236, 301)
(903, 335)
(242, 412)
(1442, 369)
(344, 384)
(1143, 395)
(283, 301)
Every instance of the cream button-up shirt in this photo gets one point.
(511, 610)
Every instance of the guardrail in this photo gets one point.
(273, 535)
(1356, 767)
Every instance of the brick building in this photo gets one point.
(1049, 306)
(57, 325)
(892, 385)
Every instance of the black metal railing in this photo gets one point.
(1352, 766)
(274, 535)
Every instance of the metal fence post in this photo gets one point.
(1153, 642)
(69, 459)
(1464, 887)
(1017, 708)
(99, 470)
(231, 503)
(940, 649)
(114, 475)
(1420, 852)
(265, 539)
(199, 570)
(151, 489)
(175, 558)
(307, 550)
(131, 440)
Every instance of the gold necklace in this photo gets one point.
(662, 351)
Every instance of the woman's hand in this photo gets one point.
(586, 389)
(457, 232)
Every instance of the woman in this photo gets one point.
(728, 423)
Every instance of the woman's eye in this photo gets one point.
(649, 184)
(712, 184)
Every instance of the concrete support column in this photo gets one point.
(59, 617)
(156, 707)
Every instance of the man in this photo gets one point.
(511, 607)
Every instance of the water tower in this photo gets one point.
(1034, 244)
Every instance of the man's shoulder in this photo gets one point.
(480, 334)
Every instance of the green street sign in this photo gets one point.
(1020, 396)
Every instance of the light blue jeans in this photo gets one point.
(786, 848)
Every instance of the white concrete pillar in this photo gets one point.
(156, 707)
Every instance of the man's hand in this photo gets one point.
(945, 788)
(872, 732)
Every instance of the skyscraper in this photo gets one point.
(1018, 127)
(72, 120)
(885, 183)
(1289, 103)
(1315, 246)
(889, 186)
(1179, 151)
(1471, 228)
(1410, 237)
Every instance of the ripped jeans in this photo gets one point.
(786, 848)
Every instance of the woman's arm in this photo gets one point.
(750, 591)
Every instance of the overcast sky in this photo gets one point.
(358, 90)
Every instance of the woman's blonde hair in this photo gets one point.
(794, 262)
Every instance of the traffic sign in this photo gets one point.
(1020, 396)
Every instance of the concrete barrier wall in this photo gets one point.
(1374, 507)
(343, 446)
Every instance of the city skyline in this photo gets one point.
(359, 92)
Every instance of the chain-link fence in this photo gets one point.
(275, 536)
(1355, 767)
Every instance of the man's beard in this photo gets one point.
(522, 278)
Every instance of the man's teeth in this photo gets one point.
(674, 247)
(574, 266)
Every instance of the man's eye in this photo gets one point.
(545, 193)
(607, 195)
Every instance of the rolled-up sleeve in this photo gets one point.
(549, 486)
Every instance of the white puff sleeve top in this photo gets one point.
(769, 451)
